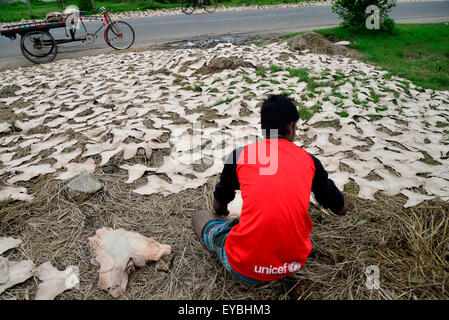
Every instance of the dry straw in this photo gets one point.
(410, 246)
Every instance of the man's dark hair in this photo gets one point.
(277, 112)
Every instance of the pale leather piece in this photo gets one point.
(63, 159)
(15, 193)
(414, 198)
(30, 172)
(5, 127)
(136, 171)
(117, 252)
(54, 282)
(4, 271)
(158, 185)
(7, 243)
(76, 168)
(15, 272)
(235, 206)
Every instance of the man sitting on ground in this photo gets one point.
(271, 238)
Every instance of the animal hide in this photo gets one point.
(54, 282)
(117, 252)
(14, 272)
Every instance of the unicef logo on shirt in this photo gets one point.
(290, 267)
(294, 266)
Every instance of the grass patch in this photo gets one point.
(17, 11)
(316, 108)
(382, 108)
(440, 124)
(301, 73)
(338, 95)
(292, 35)
(261, 72)
(417, 52)
(428, 159)
(227, 100)
(375, 116)
(343, 114)
(376, 97)
(248, 79)
(195, 88)
(304, 113)
(275, 69)
(312, 84)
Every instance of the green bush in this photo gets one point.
(353, 13)
(388, 25)
(85, 5)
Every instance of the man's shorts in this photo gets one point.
(213, 236)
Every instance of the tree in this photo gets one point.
(93, 4)
(29, 8)
(355, 14)
(61, 4)
(84, 5)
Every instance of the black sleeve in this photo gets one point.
(324, 189)
(225, 188)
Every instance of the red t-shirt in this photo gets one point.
(275, 177)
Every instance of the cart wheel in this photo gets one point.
(119, 35)
(210, 5)
(188, 6)
(39, 46)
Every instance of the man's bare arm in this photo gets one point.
(326, 192)
(220, 208)
(343, 210)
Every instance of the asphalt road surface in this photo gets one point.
(163, 29)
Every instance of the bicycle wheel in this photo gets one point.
(210, 5)
(119, 35)
(38, 46)
(188, 6)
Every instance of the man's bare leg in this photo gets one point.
(201, 217)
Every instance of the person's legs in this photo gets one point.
(200, 218)
(216, 229)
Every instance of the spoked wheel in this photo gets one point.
(119, 35)
(38, 46)
(210, 5)
(188, 6)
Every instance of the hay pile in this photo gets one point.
(219, 64)
(410, 246)
(316, 43)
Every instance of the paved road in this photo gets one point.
(169, 28)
